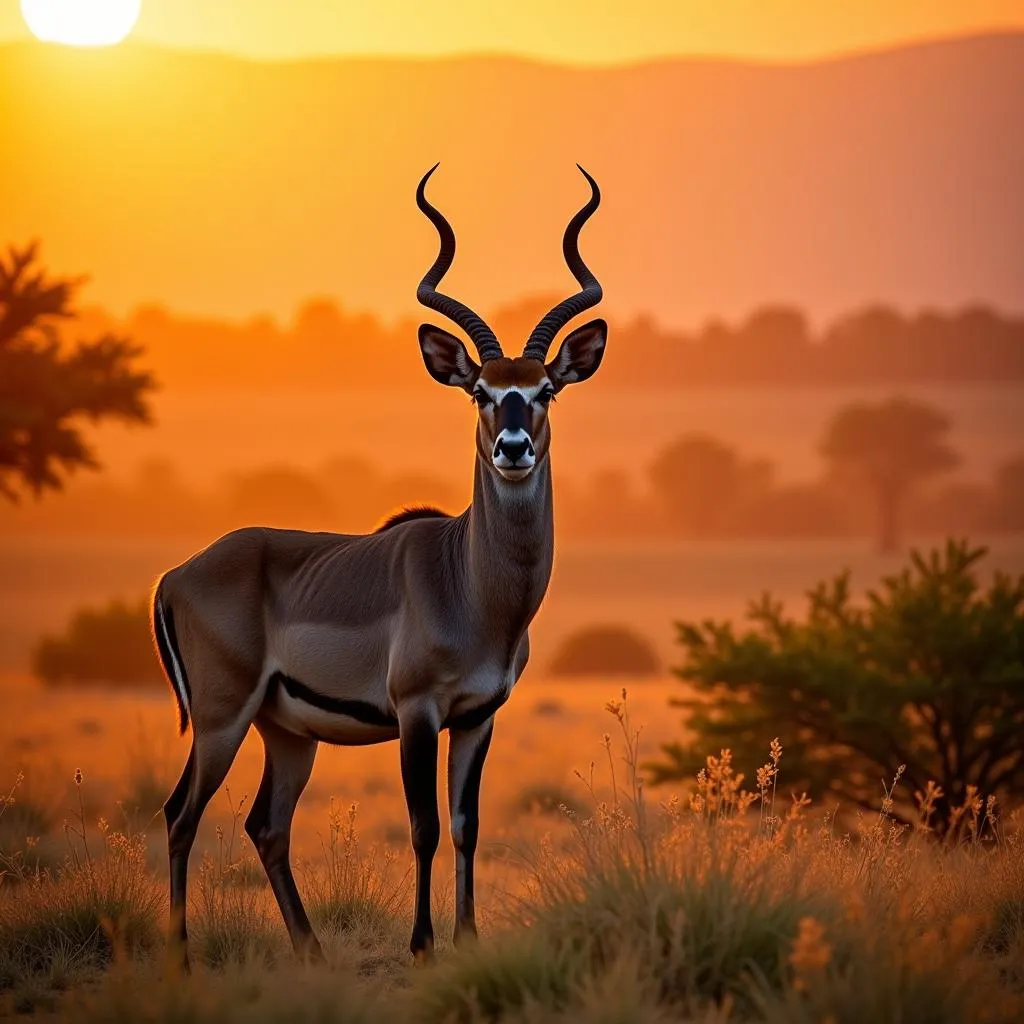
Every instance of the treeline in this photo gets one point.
(701, 488)
(347, 495)
(889, 472)
(873, 345)
(887, 468)
(326, 347)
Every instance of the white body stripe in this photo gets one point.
(178, 671)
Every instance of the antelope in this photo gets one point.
(399, 634)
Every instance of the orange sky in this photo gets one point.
(565, 30)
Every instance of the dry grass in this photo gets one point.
(64, 922)
(739, 904)
(352, 892)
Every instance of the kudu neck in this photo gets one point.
(511, 538)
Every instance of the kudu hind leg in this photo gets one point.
(205, 770)
(288, 762)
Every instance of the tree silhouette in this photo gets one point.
(892, 446)
(705, 487)
(47, 388)
(697, 479)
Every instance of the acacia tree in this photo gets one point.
(928, 672)
(47, 389)
(892, 446)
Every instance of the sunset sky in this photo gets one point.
(567, 30)
(222, 186)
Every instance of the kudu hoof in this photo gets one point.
(424, 956)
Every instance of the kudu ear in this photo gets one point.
(580, 355)
(446, 358)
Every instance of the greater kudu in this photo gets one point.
(418, 627)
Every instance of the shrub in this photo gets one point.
(605, 651)
(111, 645)
(927, 674)
(546, 799)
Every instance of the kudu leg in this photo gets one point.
(467, 751)
(287, 764)
(206, 768)
(418, 739)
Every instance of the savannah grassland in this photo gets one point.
(599, 901)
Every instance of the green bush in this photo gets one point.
(111, 645)
(925, 678)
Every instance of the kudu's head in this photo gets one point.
(512, 395)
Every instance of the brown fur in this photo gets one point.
(514, 372)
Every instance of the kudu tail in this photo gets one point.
(170, 656)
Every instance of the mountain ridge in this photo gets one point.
(223, 185)
(837, 57)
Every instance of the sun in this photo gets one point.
(81, 22)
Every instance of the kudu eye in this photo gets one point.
(482, 399)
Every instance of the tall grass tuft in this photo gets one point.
(354, 892)
(100, 902)
(232, 921)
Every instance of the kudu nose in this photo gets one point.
(512, 450)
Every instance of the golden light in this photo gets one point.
(81, 22)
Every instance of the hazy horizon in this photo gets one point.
(580, 33)
(752, 59)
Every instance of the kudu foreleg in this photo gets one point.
(467, 751)
(418, 739)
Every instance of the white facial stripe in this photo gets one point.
(529, 395)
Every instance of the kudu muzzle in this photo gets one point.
(513, 452)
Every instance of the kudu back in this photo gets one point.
(399, 634)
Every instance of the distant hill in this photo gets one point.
(222, 186)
